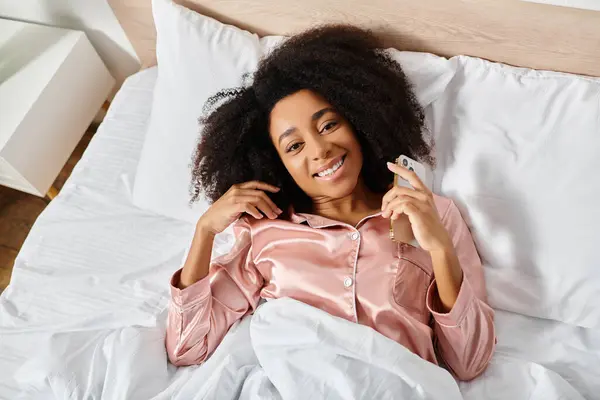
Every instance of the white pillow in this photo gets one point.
(197, 56)
(519, 151)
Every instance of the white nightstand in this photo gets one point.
(52, 84)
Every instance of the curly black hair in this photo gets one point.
(345, 65)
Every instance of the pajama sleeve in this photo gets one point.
(201, 314)
(465, 336)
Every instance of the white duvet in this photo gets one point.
(286, 350)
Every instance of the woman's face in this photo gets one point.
(317, 145)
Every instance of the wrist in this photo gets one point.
(448, 275)
(204, 231)
(444, 250)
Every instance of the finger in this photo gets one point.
(263, 206)
(400, 202)
(258, 202)
(404, 194)
(259, 193)
(270, 202)
(388, 210)
(250, 209)
(403, 191)
(389, 196)
(259, 185)
(408, 208)
(410, 176)
(409, 194)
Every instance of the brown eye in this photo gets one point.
(293, 147)
(328, 126)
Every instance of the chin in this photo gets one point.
(342, 189)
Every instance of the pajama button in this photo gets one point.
(348, 282)
(354, 236)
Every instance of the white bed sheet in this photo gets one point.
(94, 262)
(92, 259)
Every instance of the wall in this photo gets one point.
(95, 17)
(585, 4)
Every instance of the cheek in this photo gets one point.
(353, 145)
(297, 168)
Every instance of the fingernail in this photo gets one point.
(279, 211)
(278, 189)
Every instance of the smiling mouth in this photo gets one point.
(332, 170)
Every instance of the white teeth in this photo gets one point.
(331, 170)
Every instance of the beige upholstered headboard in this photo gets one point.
(510, 31)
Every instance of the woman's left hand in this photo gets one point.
(419, 206)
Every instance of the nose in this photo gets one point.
(321, 148)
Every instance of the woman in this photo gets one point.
(297, 160)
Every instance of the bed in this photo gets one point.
(85, 311)
(89, 236)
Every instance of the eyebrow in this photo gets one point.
(320, 113)
(314, 117)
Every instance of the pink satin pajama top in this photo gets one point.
(356, 273)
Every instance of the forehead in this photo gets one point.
(298, 107)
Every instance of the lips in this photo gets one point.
(330, 168)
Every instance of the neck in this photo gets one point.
(359, 203)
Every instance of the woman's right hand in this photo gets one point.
(248, 197)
